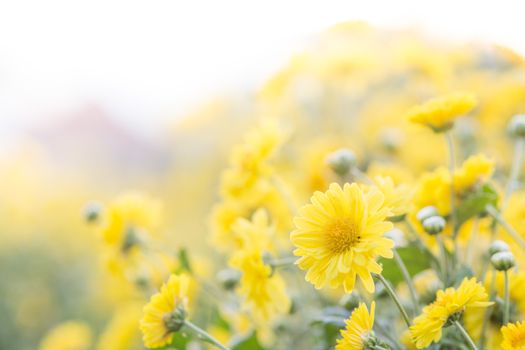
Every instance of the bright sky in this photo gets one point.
(150, 61)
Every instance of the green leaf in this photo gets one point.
(247, 343)
(415, 260)
(184, 260)
(474, 203)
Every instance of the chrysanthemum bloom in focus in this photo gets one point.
(439, 113)
(513, 336)
(69, 335)
(448, 307)
(165, 313)
(340, 234)
(358, 334)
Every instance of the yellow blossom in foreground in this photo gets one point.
(513, 336)
(163, 315)
(67, 336)
(358, 327)
(451, 302)
(263, 292)
(476, 169)
(339, 236)
(440, 113)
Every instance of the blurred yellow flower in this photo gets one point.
(474, 170)
(439, 113)
(130, 218)
(434, 189)
(451, 302)
(339, 236)
(513, 336)
(122, 331)
(397, 198)
(165, 312)
(71, 335)
(256, 233)
(262, 290)
(358, 328)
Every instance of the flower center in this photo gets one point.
(518, 341)
(341, 235)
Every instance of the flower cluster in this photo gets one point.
(368, 197)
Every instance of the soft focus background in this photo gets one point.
(102, 97)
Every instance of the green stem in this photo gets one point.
(452, 167)
(510, 230)
(394, 297)
(514, 171)
(486, 315)
(205, 335)
(444, 259)
(506, 307)
(408, 280)
(465, 335)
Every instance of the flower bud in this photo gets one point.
(503, 261)
(498, 246)
(228, 278)
(92, 211)
(341, 161)
(434, 225)
(175, 319)
(426, 212)
(391, 139)
(397, 236)
(517, 126)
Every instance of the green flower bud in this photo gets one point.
(498, 246)
(92, 211)
(517, 126)
(175, 319)
(426, 212)
(434, 225)
(341, 161)
(229, 278)
(503, 261)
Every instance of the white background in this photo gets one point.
(149, 62)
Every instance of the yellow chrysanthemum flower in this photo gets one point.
(513, 336)
(434, 189)
(164, 314)
(476, 169)
(451, 302)
(129, 218)
(248, 163)
(440, 113)
(122, 332)
(339, 236)
(255, 233)
(397, 198)
(358, 328)
(69, 335)
(263, 292)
